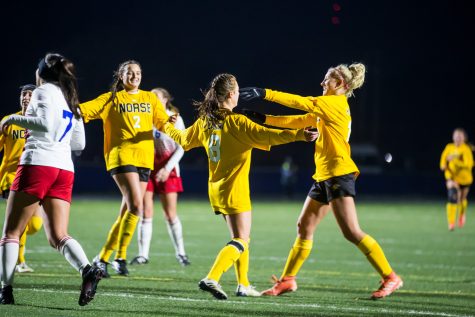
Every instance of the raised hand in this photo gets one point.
(249, 93)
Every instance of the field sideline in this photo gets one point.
(438, 266)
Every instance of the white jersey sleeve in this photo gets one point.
(51, 126)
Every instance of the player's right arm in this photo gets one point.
(93, 109)
(443, 159)
(290, 100)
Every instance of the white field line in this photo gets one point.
(408, 312)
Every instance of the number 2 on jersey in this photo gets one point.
(68, 115)
(136, 122)
(214, 145)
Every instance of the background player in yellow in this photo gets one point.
(128, 115)
(228, 139)
(12, 141)
(335, 173)
(456, 162)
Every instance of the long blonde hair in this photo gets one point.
(352, 76)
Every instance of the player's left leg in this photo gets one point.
(345, 214)
(174, 227)
(463, 205)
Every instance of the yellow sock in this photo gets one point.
(34, 225)
(463, 207)
(112, 241)
(375, 255)
(226, 257)
(451, 213)
(241, 267)
(126, 232)
(297, 256)
(21, 250)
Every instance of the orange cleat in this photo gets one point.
(388, 285)
(462, 221)
(451, 227)
(284, 285)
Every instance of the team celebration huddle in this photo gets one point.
(144, 140)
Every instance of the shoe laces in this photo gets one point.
(275, 280)
(387, 285)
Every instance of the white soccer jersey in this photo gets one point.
(165, 147)
(52, 129)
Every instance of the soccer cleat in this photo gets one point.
(284, 285)
(102, 265)
(91, 276)
(249, 291)
(451, 227)
(6, 295)
(213, 287)
(139, 260)
(461, 221)
(120, 267)
(23, 268)
(183, 259)
(388, 285)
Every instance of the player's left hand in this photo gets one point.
(173, 118)
(311, 134)
(162, 175)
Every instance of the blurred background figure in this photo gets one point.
(456, 162)
(288, 176)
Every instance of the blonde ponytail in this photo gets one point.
(353, 76)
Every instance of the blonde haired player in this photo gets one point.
(128, 115)
(335, 174)
(456, 162)
(165, 180)
(228, 139)
(12, 142)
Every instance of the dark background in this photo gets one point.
(419, 56)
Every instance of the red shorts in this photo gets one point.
(44, 181)
(172, 185)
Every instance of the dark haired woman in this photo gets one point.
(45, 173)
(129, 115)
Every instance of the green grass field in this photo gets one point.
(438, 266)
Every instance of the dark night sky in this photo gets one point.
(419, 58)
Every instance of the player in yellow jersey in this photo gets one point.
(229, 139)
(128, 115)
(12, 141)
(456, 162)
(335, 175)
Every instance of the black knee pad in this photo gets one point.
(237, 245)
(452, 195)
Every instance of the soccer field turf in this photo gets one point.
(438, 266)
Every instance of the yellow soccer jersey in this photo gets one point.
(229, 156)
(459, 169)
(128, 126)
(12, 143)
(331, 115)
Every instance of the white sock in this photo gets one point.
(145, 236)
(176, 235)
(8, 258)
(74, 254)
